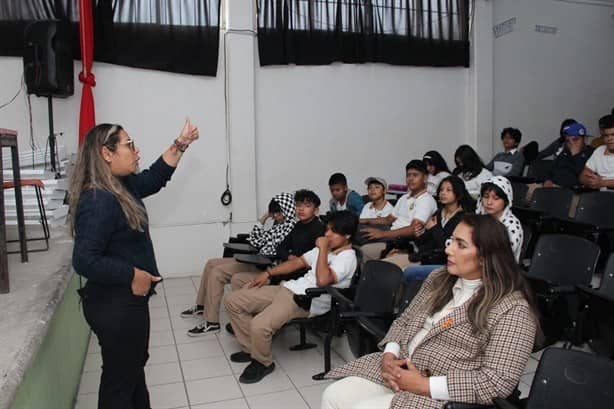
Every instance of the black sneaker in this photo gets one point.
(255, 372)
(204, 328)
(193, 311)
(229, 329)
(240, 357)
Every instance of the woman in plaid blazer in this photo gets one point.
(466, 337)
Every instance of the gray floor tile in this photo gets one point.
(160, 324)
(170, 395)
(205, 368)
(89, 382)
(159, 374)
(213, 390)
(227, 404)
(279, 400)
(87, 401)
(159, 338)
(206, 348)
(162, 354)
(313, 394)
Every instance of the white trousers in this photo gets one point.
(354, 392)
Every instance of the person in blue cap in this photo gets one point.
(569, 164)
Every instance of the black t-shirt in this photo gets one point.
(301, 239)
(567, 168)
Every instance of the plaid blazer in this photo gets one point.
(478, 367)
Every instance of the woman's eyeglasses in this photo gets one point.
(129, 143)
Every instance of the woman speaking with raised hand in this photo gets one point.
(113, 250)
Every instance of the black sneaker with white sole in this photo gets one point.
(193, 312)
(204, 328)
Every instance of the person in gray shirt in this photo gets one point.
(510, 162)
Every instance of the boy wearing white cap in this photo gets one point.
(377, 210)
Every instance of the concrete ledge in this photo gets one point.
(37, 289)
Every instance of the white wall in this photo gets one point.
(362, 120)
(291, 127)
(541, 79)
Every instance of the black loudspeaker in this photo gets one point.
(47, 59)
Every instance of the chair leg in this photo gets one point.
(303, 344)
(43, 214)
(327, 347)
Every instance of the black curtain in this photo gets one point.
(399, 32)
(179, 36)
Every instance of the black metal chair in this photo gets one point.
(375, 328)
(594, 219)
(567, 379)
(375, 295)
(546, 204)
(553, 201)
(520, 191)
(596, 317)
(560, 262)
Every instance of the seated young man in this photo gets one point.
(598, 171)
(570, 162)
(281, 210)
(301, 239)
(309, 227)
(510, 162)
(343, 198)
(409, 216)
(257, 311)
(378, 209)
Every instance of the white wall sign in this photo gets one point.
(504, 28)
(545, 29)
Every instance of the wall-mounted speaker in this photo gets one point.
(47, 59)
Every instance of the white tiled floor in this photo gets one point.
(184, 372)
(196, 373)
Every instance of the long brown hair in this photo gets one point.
(92, 172)
(501, 275)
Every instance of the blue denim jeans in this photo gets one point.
(412, 273)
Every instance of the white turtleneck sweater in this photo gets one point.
(462, 291)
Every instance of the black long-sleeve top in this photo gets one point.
(301, 239)
(435, 238)
(106, 249)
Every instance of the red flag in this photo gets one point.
(87, 117)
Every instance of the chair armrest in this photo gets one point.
(563, 289)
(243, 236)
(338, 296)
(365, 314)
(458, 405)
(315, 291)
(503, 404)
(371, 327)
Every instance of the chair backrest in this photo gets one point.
(410, 291)
(553, 201)
(567, 379)
(540, 169)
(607, 281)
(561, 259)
(527, 240)
(520, 191)
(596, 208)
(378, 286)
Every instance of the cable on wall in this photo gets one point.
(226, 197)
